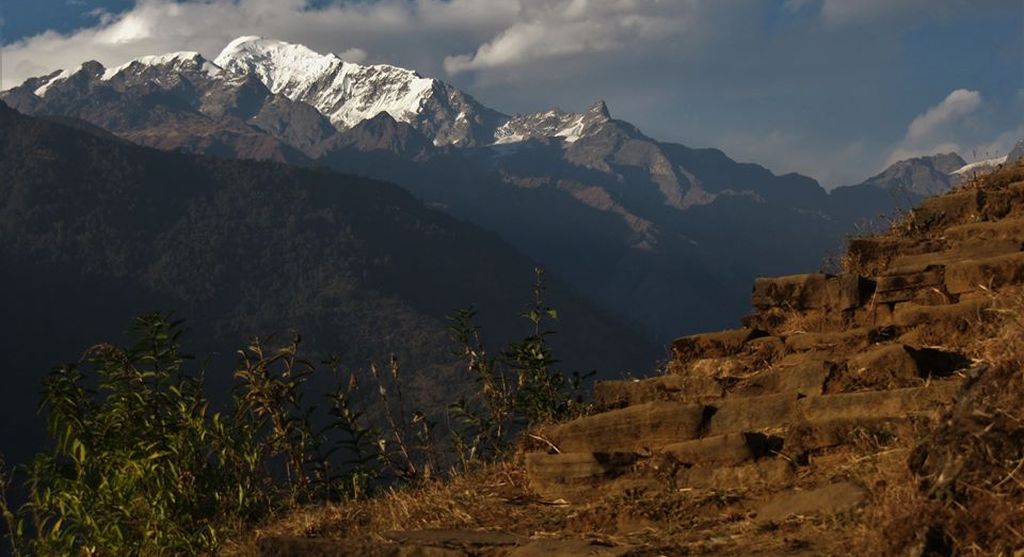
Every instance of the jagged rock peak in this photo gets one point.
(383, 132)
(599, 108)
(554, 123)
(172, 62)
(179, 61)
(929, 175)
(1017, 153)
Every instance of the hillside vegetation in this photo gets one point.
(94, 231)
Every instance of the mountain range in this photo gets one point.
(663, 236)
(95, 230)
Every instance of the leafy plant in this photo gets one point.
(142, 466)
(520, 388)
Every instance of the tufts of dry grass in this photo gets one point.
(492, 497)
(962, 491)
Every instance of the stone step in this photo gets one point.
(984, 272)
(677, 387)
(828, 499)
(894, 365)
(547, 481)
(802, 373)
(715, 345)
(956, 317)
(947, 210)
(968, 206)
(811, 291)
(802, 438)
(630, 429)
(727, 449)
(745, 358)
(1005, 202)
(295, 546)
(569, 548)
(908, 264)
(842, 341)
(577, 467)
(912, 286)
(872, 254)
(571, 475)
(767, 473)
(987, 231)
(895, 403)
(649, 426)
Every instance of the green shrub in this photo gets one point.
(141, 465)
(519, 389)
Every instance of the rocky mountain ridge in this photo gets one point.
(347, 94)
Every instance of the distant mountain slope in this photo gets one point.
(921, 176)
(94, 231)
(665, 236)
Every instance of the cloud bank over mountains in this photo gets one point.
(793, 84)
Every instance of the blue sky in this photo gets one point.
(831, 88)
(24, 18)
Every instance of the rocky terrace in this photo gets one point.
(773, 438)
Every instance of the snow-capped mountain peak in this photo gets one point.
(45, 82)
(173, 63)
(343, 92)
(569, 126)
(176, 61)
(349, 93)
(285, 68)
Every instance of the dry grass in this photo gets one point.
(794, 321)
(962, 492)
(492, 497)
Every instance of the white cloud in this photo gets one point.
(560, 28)
(936, 130)
(937, 119)
(356, 55)
(430, 35)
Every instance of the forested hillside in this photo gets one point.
(94, 231)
